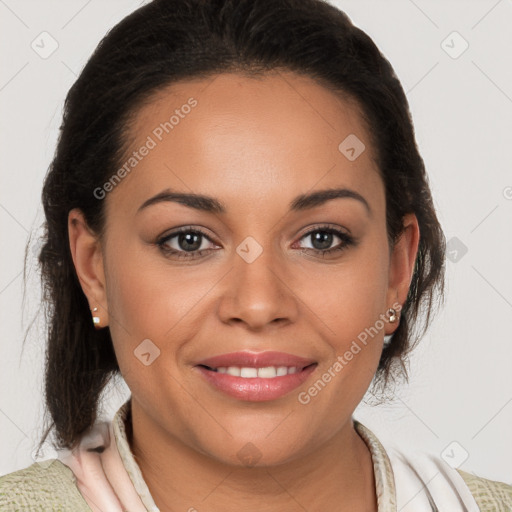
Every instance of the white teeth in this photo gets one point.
(282, 370)
(268, 372)
(233, 370)
(249, 372)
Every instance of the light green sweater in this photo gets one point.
(41, 488)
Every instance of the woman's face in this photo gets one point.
(247, 274)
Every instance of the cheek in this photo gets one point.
(351, 297)
(355, 336)
(150, 300)
(146, 295)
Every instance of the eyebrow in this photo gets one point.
(212, 205)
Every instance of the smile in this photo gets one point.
(256, 377)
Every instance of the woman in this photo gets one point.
(238, 221)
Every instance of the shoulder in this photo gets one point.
(490, 495)
(404, 471)
(448, 486)
(46, 485)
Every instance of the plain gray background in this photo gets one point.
(458, 403)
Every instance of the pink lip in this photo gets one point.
(256, 389)
(256, 360)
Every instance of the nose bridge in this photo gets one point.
(258, 293)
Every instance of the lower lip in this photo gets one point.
(256, 389)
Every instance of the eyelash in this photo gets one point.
(347, 241)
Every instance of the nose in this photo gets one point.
(259, 293)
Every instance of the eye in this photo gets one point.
(184, 243)
(323, 237)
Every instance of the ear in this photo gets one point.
(87, 256)
(401, 266)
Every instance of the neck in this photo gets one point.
(336, 476)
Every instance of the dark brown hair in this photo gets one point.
(170, 40)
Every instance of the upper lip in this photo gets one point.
(256, 360)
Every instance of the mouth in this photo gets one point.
(256, 377)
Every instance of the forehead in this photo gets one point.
(280, 134)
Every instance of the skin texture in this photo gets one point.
(254, 144)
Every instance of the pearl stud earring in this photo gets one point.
(95, 319)
(392, 315)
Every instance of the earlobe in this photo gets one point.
(401, 266)
(87, 255)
